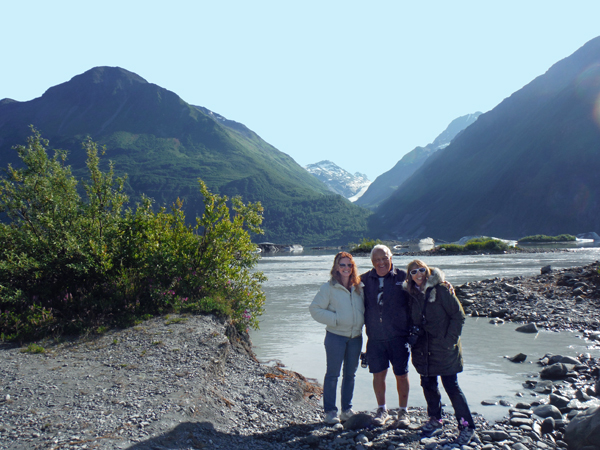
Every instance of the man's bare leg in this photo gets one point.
(403, 386)
(379, 386)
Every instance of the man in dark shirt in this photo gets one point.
(387, 327)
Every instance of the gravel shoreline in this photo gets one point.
(193, 382)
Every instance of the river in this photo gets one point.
(289, 335)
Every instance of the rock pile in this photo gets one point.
(567, 388)
(567, 299)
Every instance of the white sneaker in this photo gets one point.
(381, 417)
(331, 417)
(402, 422)
(346, 414)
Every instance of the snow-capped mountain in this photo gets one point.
(339, 180)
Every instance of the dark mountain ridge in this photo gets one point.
(165, 144)
(386, 183)
(529, 166)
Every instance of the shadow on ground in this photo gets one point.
(203, 435)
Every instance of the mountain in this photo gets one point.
(529, 166)
(386, 183)
(339, 180)
(165, 144)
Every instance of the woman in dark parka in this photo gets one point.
(438, 318)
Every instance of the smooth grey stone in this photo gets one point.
(495, 435)
(556, 371)
(361, 439)
(558, 400)
(563, 359)
(543, 387)
(523, 405)
(529, 328)
(518, 421)
(518, 358)
(548, 425)
(544, 411)
(359, 421)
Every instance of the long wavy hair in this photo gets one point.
(335, 273)
(411, 285)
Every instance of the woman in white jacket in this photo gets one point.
(339, 304)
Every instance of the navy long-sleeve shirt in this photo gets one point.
(390, 319)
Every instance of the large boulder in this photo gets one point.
(556, 371)
(359, 421)
(553, 359)
(559, 401)
(544, 411)
(584, 430)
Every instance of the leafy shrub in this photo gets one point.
(477, 244)
(453, 248)
(542, 238)
(33, 348)
(69, 264)
(365, 246)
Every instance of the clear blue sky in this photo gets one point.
(358, 83)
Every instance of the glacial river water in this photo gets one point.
(289, 335)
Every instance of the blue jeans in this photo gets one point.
(340, 349)
(458, 399)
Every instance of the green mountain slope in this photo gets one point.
(529, 166)
(165, 144)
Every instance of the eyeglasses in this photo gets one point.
(350, 265)
(420, 269)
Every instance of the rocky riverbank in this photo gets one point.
(510, 250)
(193, 382)
(566, 299)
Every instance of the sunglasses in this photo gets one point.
(346, 265)
(420, 269)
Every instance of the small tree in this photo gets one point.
(68, 264)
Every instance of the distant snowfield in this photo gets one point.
(360, 193)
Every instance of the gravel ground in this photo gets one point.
(193, 383)
(168, 383)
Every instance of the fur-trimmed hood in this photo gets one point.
(436, 277)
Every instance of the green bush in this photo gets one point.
(542, 238)
(33, 348)
(477, 244)
(70, 264)
(365, 246)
